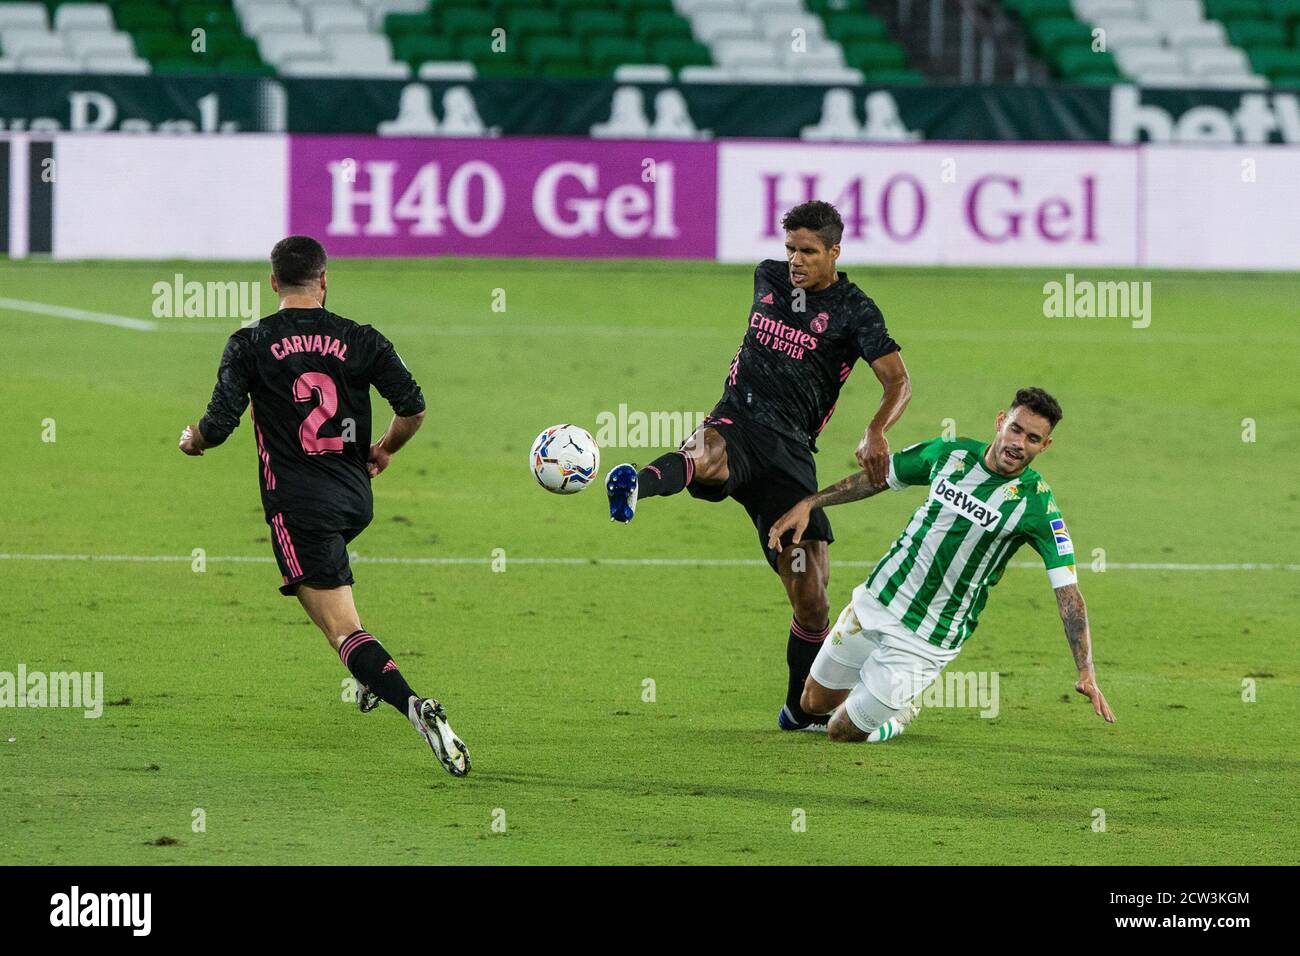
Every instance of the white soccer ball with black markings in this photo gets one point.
(564, 459)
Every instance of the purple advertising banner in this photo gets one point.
(372, 196)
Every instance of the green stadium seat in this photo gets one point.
(244, 66)
(1285, 10)
(575, 5)
(905, 77)
(521, 24)
(824, 7)
(140, 15)
(851, 27)
(606, 53)
(223, 42)
(874, 54)
(477, 48)
(553, 49)
(156, 45)
(1274, 60)
(651, 25)
(206, 14)
(1235, 9)
(631, 6)
(1251, 33)
(1289, 81)
(172, 66)
(1077, 61)
(676, 53)
(460, 21)
(499, 68)
(1055, 32)
(416, 49)
(1045, 9)
(594, 23)
(567, 70)
(408, 24)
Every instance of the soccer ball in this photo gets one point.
(564, 459)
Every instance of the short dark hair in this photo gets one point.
(297, 261)
(821, 217)
(1040, 403)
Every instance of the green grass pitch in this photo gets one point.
(223, 698)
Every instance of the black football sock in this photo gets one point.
(370, 664)
(800, 652)
(666, 475)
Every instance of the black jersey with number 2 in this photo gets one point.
(308, 373)
(799, 349)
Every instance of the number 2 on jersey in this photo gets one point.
(320, 386)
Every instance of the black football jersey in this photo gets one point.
(308, 374)
(788, 372)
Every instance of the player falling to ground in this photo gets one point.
(308, 373)
(806, 327)
(920, 604)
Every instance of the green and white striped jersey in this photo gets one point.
(936, 576)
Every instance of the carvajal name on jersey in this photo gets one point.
(324, 344)
(969, 507)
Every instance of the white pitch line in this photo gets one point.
(617, 562)
(81, 315)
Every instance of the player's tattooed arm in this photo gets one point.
(853, 488)
(1074, 616)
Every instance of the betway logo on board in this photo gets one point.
(1254, 118)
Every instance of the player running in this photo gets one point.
(807, 326)
(308, 373)
(919, 605)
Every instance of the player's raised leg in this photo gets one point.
(334, 611)
(703, 458)
(805, 572)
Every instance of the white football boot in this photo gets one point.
(428, 717)
(894, 726)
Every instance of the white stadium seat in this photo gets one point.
(83, 16)
(359, 49)
(307, 67)
(449, 70)
(1220, 61)
(99, 43)
(1171, 12)
(29, 15)
(782, 26)
(1128, 33)
(642, 73)
(49, 63)
(831, 76)
(1163, 79)
(1206, 33)
(1090, 11)
(704, 74)
(19, 42)
(821, 56)
(1239, 81)
(711, 26)
(266, 17)
(731, 53)
(337, 18)
(276, 47)
(1148, 59)
(120, 65)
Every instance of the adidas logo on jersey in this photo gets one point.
(970, 508)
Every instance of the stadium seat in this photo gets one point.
(30, 16)
(83, 16)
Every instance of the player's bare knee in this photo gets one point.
(817, 699)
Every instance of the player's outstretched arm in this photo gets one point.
(873, 450)
(398, 433)
(855, 487)
(1074, 615)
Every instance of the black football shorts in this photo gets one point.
(769, 473)
(311, 551)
